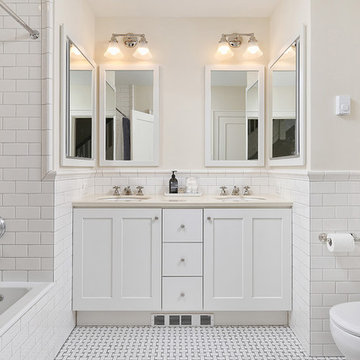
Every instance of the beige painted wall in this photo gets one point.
(182, 47)
(229, 98)
(81, 29)
(335, 140)
(286, 23)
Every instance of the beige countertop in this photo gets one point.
(161, 201)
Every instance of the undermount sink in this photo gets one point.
(240, 198)
(124, 198)
(176, 200)
(253, 198)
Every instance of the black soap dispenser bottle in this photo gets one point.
(173, 184)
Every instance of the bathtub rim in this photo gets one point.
(11, 315)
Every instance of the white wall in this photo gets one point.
(26, 250)
(335, 49)
(229, 98)
(286, 23)
(79, 22)
(182, 47)
(31, 250)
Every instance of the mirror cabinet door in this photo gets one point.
(79, 107)
(234, 117)
(129, 117)
(285, 120)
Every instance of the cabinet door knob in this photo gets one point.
(156, 218)
(182, 294)
(209, 218)
(182, 226)
(182, 260)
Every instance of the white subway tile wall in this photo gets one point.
(26, 202)
(297, 188)
(35, 247)
(335, 276)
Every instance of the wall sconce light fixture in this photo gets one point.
(130, 40)
(229, 41)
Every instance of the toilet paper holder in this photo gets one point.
(323, 237)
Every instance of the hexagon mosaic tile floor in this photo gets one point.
(183, 343)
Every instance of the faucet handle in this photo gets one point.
(139, 190)
(236, 190)
(127, 190)
(246, 190)
(116, 189)
(223, 190)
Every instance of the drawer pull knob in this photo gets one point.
(182, 226)
(182, 294)
(182, 260)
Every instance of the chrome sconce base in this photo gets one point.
(233, 41)
(130, 40)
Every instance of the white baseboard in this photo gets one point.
(144, 318)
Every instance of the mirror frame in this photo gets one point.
(102, 112)
(299, 158)
(65, 159)
(209, 162)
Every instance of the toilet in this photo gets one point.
(345, 328)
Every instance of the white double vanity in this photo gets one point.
(202, 254)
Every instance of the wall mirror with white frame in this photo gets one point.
(287, 106)
(234, 116)
(129, 115)
(78, 105)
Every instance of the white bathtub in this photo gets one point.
(18, 298)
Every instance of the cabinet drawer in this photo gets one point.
(183, 225)
(182, 293)
(182, 259)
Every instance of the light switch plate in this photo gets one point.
(343, 105)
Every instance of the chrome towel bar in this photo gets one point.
(2, 227)
(34, 34)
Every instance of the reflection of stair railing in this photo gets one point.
(286, 146)
(84, 149)
(253, 131)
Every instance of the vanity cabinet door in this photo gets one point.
(117, 259)
(247, 259)
(140, 259)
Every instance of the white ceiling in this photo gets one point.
(183, 8)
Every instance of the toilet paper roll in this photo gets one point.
(340, 242)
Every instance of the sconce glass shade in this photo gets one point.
(74, 50)
(253, 50)
(142, 52)
(114, 50)
(223, 51)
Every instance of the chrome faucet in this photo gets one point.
(235, 191)
(116, 190)
(127, 190)
(223, 191)
(246, 190)
(139, 191)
